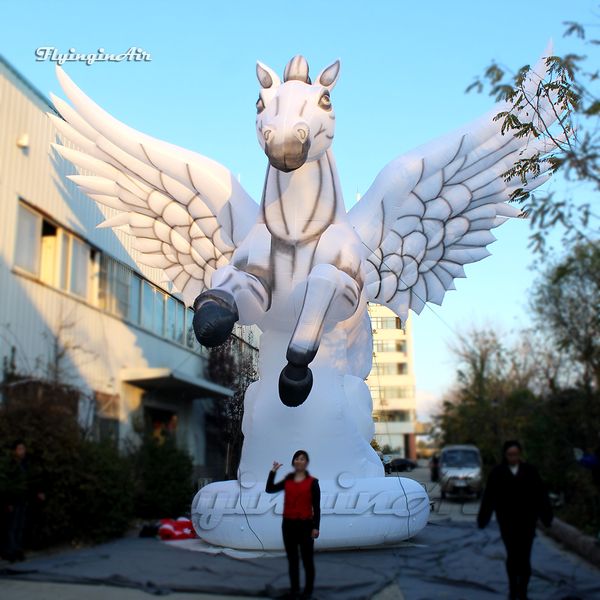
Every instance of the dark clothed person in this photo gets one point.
(20, 489)
(516, 493)
(301, 520)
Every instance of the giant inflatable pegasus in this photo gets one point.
(303, 269)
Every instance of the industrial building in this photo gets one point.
(75, 306)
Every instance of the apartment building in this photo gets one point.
(392, 383)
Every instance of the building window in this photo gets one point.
(61, 259)
(135, 296)
(64, 261)
(180, 323)
(122, 281)
(388, 392)
(79, 264)
(147, 305)
(107, 417)
(48, 253)
(113, 287)
(159, 312)
(389, 346)
(29, 230)
(390, 369)
(170, 318)
(191, 336)
(386, 323)
(45, 250)
(392, 416)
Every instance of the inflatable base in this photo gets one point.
(354, 513)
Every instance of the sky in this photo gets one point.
(405, 67)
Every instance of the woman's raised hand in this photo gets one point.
(276, 466)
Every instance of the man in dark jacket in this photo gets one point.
(516, 493)
(21, 487)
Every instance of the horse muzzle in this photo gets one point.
(289, 153)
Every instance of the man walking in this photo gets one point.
(516, 493)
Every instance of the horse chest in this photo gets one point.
(298, 207)
(290, 264)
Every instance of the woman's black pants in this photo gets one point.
(518, 542)
(297, 535)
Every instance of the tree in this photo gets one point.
(566, 302)
(572, 86)
(491, 400)
(231, 365)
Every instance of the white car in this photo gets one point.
(460, 471)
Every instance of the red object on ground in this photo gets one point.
(180, 529)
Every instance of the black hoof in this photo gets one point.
(214, 318)
(295, 383)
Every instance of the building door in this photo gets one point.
(160, 424)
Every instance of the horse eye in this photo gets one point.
(260, 106)
(325, 101)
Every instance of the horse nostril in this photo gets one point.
(302, 132)
(267, 134)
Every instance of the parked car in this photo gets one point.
(460, 471)
(402, 464)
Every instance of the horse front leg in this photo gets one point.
(331, 296)
(236, 295)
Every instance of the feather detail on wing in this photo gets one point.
(430, 211)
(187, 212)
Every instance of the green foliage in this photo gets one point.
(85, 484)
(566, 301)
(163, 486)
(103, 494)
(92, 491)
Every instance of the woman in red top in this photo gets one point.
(301, 518)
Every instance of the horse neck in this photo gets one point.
(299, 206)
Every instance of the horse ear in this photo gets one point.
(328, 76)
(266, 76)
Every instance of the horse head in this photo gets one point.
(295, 120)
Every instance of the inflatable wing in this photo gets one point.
(430, 211)
(187, 212)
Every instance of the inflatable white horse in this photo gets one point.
(303, 270)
